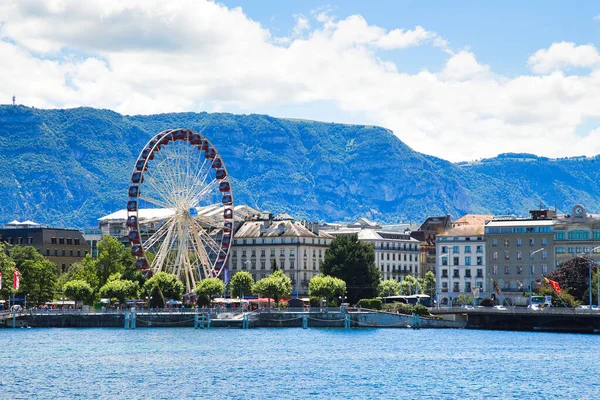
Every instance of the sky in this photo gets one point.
(460, 80)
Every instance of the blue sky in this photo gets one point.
(458, 80)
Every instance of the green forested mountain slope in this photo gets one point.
(70, 167)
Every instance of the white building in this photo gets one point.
(396, 253)
(297, 247)
(460, 266)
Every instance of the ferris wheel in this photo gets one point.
(180, 208)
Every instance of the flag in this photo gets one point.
(226, 277)
(496, 286)
(554, 285)
(16, 279)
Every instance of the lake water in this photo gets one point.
(297, 364)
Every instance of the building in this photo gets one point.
(461, 263)
(397, 254)
(519, 251)
(577, 234)
(426, 235)
(63, 247)
(298, 248)
(92, 236)
(472, 219)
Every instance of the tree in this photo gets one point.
(163, 286)
(274, 286)
(326, 287)
(79, 290)
(573, 277)
(112, 258)
(464, 299)
(409, 286)
(38, 281)
(7, 268)
(428, 286)
(120, 290)
(209, 288)
(274, 266)
(21, 254)
(241, 283)
(354, 263)
(389, 287)
(561, 299)
(85, 270)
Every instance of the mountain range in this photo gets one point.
(67, 168)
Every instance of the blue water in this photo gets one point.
(297, 364)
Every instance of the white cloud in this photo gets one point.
(563, 55)
(160, 56)
(597, 17)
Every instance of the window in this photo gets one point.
(495, 269)
(467, 273)
(495, 255)
(544, 269)
(305, 265)
(455, 261)
(64, 252)
(55, 252)
(304, 252)
(253, 264)
(507, 255)
(262, 265)
(579, 235)
(455, 274)
(262, 252)
(519, 242)
(479, 273)
(444, 249)
(76, 241)
(494, 242)
(559, 236)
(444, 273)
(292, 264)
(544, 255)
(234, 253)
(314, 253)
(69, 241)
(468, 260)
(70, 253)
(292, 252)
(543, 241)
(519, 255)
(320, 254)
(444, 260)
(480, 249)
(467, 286)
(53, 240)
(506, 269)
(282, 252)
(455, 249)
(467, 249)
(506, 243)
(272, 252)
(532, 242)
(560, 250)
(388, 256)
(243, 241)
(243, 253)
(253, 253)
(519, 269)
(455, 288)
(479, 260)
(506, 285)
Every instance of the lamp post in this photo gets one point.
(590, 277)
(531, 275)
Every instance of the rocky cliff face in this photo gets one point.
(70, 167)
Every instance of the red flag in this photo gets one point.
(495, 286)
(554, 285)
(16, 279)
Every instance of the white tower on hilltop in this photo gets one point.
(14, 99)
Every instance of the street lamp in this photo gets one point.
(531, 275)
(590, 276)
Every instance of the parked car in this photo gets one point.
(500, 308)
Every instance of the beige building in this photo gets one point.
(519, 252)
(577, 234)
(461, 264)
(297, 247)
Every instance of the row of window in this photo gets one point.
(518, 269)
(406, 270)
(63, 253)
(68, 241)
(575, 250)
(457, 238)
(578, 235)
(519, 229)
(467, 249)
(396, 246)
(456, 286)
(519, 242)
(283, 240)
(519, 255)
(291, 264)
(410, 257)
(456, 260)
(456, 273)
(292, 253)
(304, 281)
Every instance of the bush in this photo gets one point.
(373, 304)
(314, 301)
(421, 310)
(487, 302)
(402, 308)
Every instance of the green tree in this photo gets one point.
(163, 286)
(409, 286)
(209, 288)
(561, 299)
(573, 277)
(354, 263)
(85, 270)
(326, 287)
(428, 286)
(274, 286)
(7, 268)
(241, 283)
(21, 254)
(464, 299)
(120, 290)
(389, 287)
(113, 257)
(79, 290)
(38, 281)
